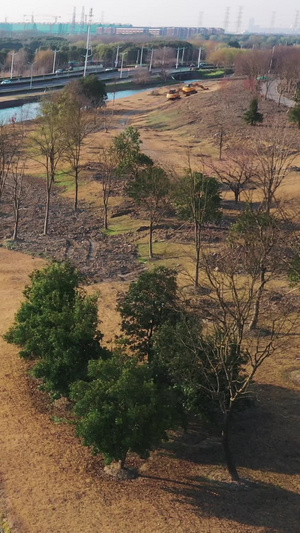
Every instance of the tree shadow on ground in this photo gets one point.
(265, 436)
(251, 504)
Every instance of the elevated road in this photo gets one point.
(38, 84)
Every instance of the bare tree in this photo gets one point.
(48, 145)
(274, 154)
(149, 190)
(197, 198)
(17, 192)
(237, 354)
(9, 146)
(76, 124)
(108, 176)
(236, 171)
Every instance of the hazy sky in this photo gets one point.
(158, 12)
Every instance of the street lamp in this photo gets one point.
(13, 53)
(117, 56)
(122, 60)
(141, 59)
(177, 57)
(199, 57)
(31, 71)
(151, 59)
(182, 57)
(87, 55)
(54, 60)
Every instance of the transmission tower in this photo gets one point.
(296, 22)
(272, 25)
(239, 20)
(74, 18)
(226, 18)
(200, 19)
(82, 17)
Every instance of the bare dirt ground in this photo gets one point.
(50, 483)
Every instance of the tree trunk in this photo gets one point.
(151, 239)
(221, 144)
(105, 216)
(76, 190)
(122, 462)
(226, 447)
(15, 233)
(236, 195)
(254, 320)
(197, 244)
(46, 220)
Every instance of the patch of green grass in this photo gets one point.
(215, 74)
(124, 224)
(65, 180)
(170, 254)
(162, 121)
(4, 525)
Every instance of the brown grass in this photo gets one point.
(50, 483)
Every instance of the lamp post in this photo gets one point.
(54, 61)
(141, 59)
(122, 60)
(137, 57)
(164, 53)
(31, 72)
(117, 56)
(177, 57)
(199, 57)
(182, 57)
(151, 59)
(87, 51)
(13, 53)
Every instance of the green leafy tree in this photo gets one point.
(252, 116)
(149, 302)
(56, 326)
(127, 148)
(93, 90)
(198, 200)
(294, 114)
(149, 190)
(121, 409)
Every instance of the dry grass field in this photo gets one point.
(49, 483)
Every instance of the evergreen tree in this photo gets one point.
(252, 116)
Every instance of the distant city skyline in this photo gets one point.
(267, 14)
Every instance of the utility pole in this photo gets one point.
(54, 61)
(199, 57)
(141, 60)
